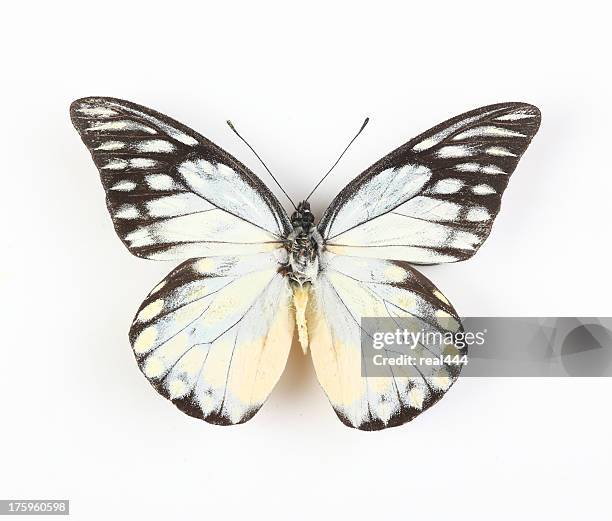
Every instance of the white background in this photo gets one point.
(78, 419)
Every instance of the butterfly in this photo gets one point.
(214, 335)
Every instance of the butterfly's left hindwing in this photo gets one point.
(213, 337)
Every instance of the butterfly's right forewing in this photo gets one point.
(435, 198)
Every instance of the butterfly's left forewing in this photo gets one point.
(172, 193)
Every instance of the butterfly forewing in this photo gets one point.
(433, 199)
(172, 193)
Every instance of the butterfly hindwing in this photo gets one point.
(173, 194)
(213, 337)
(433, 199)
(350, 288)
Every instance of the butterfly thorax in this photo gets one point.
(304, 243)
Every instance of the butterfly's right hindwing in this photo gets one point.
(349, 289)
(173, 194)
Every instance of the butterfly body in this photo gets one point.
(214, 336)
(304, 246)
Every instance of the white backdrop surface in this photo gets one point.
(78, 419)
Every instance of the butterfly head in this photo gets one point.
(303, 217)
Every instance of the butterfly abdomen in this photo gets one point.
(300, 303)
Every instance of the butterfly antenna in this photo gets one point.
(366, 121)
(230, 124)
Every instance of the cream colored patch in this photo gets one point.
(300, 302)
(385, 410)
(151, 310)
(144, 341)
(380, 384)
(218, 360)
(258, 365)
(154, 367)
(394, 273)
(446, 320)
(441, 297)
(191, 363)
(416, 396)
(177, 388)
(338, 368)
(442, 381)
(205, 265)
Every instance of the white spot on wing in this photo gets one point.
(476, 167)
(127, 211)
(124, 186)
(145, 340)
(143, 162)
(499, 151)
(478, 214)
(160, 182)
(155, 145)
(515, 116)
(467, 167)
(116, 164)
(455, 151)
(111, 145)
(487, 131)
(492, 169)
(120, 125)
(97, 111)
(151, 310)
(483, 189)
(448, 186)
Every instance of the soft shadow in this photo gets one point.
(298, 375)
